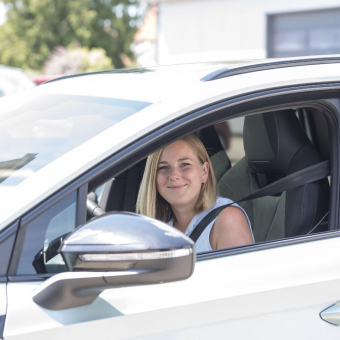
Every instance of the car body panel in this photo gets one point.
(278, 291)
(3, 299)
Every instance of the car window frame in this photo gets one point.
(275, 99)
(5, 235)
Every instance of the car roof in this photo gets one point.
(222, 69)
(169, 83)
(173, 91)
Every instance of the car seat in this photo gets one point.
(275, 146)
(218, 157)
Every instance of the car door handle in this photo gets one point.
(332, 314)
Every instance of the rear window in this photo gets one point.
(37, 131)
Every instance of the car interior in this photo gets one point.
(276, 144)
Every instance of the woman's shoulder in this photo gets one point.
(231, 212)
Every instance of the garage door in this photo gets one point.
(303, 33)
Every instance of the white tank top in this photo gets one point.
(203, 243)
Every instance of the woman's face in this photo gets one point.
(180, 175)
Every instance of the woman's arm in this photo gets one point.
(231, 229)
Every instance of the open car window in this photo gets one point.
(248, 154)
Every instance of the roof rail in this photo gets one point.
(118, 70)
(268, 65)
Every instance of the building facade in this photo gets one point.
(215, 30)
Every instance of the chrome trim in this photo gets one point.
(170, 254)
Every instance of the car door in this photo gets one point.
(268, 292)
(260, 291)
(263, 291)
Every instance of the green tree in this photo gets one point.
(35, 27)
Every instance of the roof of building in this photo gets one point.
(148, 30)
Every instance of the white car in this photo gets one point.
(75, 148)
(12, 80)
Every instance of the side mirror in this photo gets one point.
(117, 250)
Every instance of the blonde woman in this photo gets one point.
(179, 188)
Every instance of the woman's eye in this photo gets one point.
(163, 168)
(184, 165)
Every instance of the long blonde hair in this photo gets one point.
(150, 203)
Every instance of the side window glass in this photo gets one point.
(40, 239)
(6, 246)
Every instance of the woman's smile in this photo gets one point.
(177, 186)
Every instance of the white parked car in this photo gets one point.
(75, 148)
(12, 80)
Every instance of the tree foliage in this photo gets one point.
(34, 28)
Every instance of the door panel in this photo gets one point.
(3, 299)
(274, 293)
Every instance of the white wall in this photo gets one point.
(202, 30)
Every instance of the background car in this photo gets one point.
(12, 80)
(75, 148)
(42, 78)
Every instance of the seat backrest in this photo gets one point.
(276, 146)
(218, 157)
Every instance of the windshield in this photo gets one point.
(39, 130)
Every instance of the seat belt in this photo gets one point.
(308, 175)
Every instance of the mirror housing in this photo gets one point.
(117, 250)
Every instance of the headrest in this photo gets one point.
(271, 141)
(210, 140)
